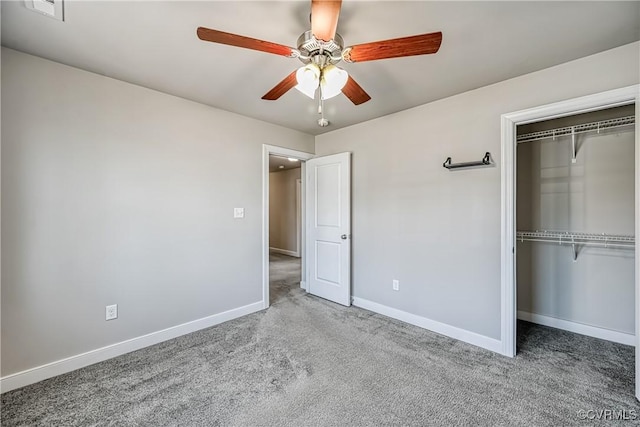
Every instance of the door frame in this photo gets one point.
(268, 150)
(299, 215)
(622, 96)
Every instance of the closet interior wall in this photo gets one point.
(593, 195)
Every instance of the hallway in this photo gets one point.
(284, 276)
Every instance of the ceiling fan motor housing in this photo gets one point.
(320, 52)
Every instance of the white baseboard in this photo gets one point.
(303, 285)
(469, 337)
(578, 328)
(59, 367)
(284, 252)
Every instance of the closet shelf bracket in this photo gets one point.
(574, 151)
(574, 247)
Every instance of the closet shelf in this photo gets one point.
(578, 129)
(578, 239)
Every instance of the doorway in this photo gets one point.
(285, 226)
(325, 218)
(510, 122)
(289, 257)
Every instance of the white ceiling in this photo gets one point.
(154, 44)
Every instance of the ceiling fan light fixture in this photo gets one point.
(308, 78)
(332, 81)
(320, 48)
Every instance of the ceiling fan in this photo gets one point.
(320, 49)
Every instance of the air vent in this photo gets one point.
(50, 8)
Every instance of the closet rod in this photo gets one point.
(577, 129)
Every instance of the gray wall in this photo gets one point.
(113, 193)
(594, 195)
(437, 231)
(283, 209)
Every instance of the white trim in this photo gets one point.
(483, 341)
(287, 152)
(612, 98)
(303, 228)
(637, 269)
(578, 328)
(299, 214)
(284, 252)
(508, 247)
(59, 367)
(303, 285)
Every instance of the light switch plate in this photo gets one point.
(238, 212)
(111, 312)
(52, 9)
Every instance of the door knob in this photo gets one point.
(343, 237)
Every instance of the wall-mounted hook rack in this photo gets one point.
(486, 161)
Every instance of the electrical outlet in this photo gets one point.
(238, 212)
(396, 285)
(112, 312)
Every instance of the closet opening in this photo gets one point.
(575, 220)
(285, 226)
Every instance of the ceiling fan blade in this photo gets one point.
(394, 48)
(324, 18)
(282, 87)
(354, 92)
(230, 39)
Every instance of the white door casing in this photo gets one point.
(299, 230)
(328, 203)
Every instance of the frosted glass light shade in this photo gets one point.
(332, 81)
(308, 78)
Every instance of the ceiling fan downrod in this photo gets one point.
(322, 122)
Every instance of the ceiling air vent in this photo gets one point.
(50, 8)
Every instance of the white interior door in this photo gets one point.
(329, 227)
